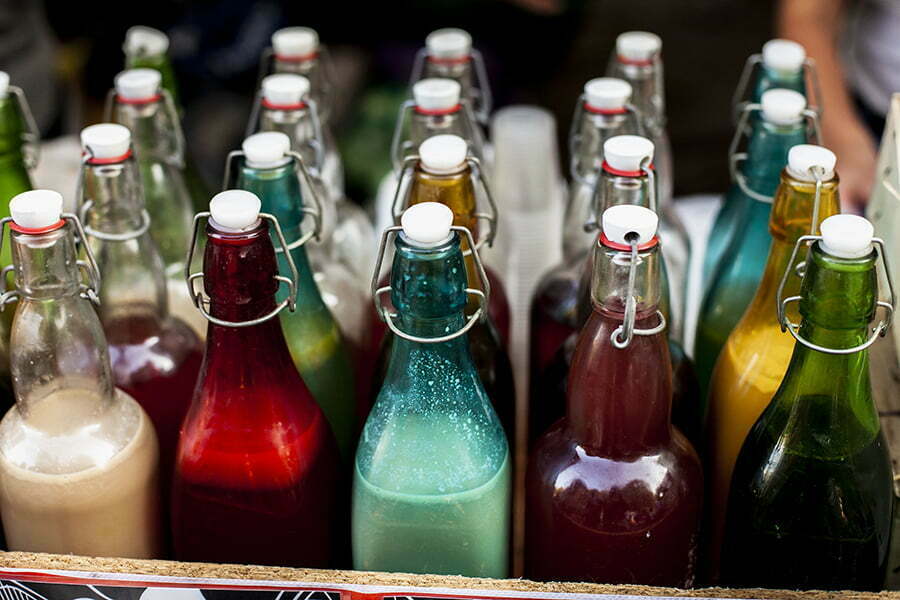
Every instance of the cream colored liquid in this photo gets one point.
(69, 488)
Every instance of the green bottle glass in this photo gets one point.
(432, 487)
(740, 234)
(812, 493)
(314, 339)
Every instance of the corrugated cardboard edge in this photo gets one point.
(25, 560)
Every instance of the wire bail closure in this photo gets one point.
(754, 62)
(637, 128)
(402, 146)
(593, 221)
(743, 129)
(480, 93)
(200, 301)
(83, 207)
(89, 291)
(388, 317)
(31, 137)
(403, 186)
(171, 113)
(316, 142)
(311, 183)
(622, 336)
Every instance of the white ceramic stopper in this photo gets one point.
(36, 209)
(427, 224)
(783, 56)
(847, 236)
(4, 84)
(235, 210)
(106, 140)
(436, 94)
(138, 84)
(145, 40)
(443, 154)
(267, 149)
(783, 107)
(607, 93)
(295, 42)
(285, 89)
(449, 43)
(638, 45)
(627, 152)
(802, 157)
(619, 222)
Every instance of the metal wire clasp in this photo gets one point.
(388, 317)
(623, 334)
(89, 290)
(83, 207)
(402, 146)
(744, 130)
(753, 63)
(480, 92)
(32, 135)
(593, 220)
(636, 127)
(200, 301)
(311, 183)
(403, 187)
(879, 330)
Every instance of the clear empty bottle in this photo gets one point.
(78, 457)
(298, 50)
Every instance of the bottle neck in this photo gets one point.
(593, 131)
(613, 190)
(767, 153)
(12, 128)
(297, 124)
(154, 130)
(423, 126)
(458, 70)
(647, 90)
(771, 79)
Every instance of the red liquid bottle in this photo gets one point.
(155, 357)
(613, 490)
(257, 468)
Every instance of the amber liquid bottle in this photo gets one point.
(614, 491)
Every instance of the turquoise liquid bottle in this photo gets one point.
(312, 334)
(432, 487)
(744, 223)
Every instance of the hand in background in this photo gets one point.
(857, 157)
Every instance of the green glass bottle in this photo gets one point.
(432, 489)
(313, 336)
(812, 493)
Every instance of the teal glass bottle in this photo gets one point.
(811, 497)
(740, 234)
(781, 65)
(432, 489)
(313, 336)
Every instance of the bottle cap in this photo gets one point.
(234, 210)
(427, 224)
(441, 154)
(267, 149)
(802, 157)
(145, 40)
(36, 209)
(449, 43)
(295, 42)
(782, 107)
(607, 93)
(627, 152)
(783, 56)
(106, 140)
(138, 84)
(847, 236)
(4, 84)
(436, 94)
(625, 219)
(638, 46)
(285, 89)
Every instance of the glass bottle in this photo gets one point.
(740, 233)
(297, 50)
(257, 465)
(285, 106)
(753, 361)
(446, 174)
(638, 61)
(613, 490)
(782, 64)
(559, 312)
(812, 494)
(147, 48)
(154, 356)
(270, 170)
(432, 485)
(79, 463)
(448, 54)
(140, 104)
(19, 148)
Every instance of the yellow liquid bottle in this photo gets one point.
(756, 356)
